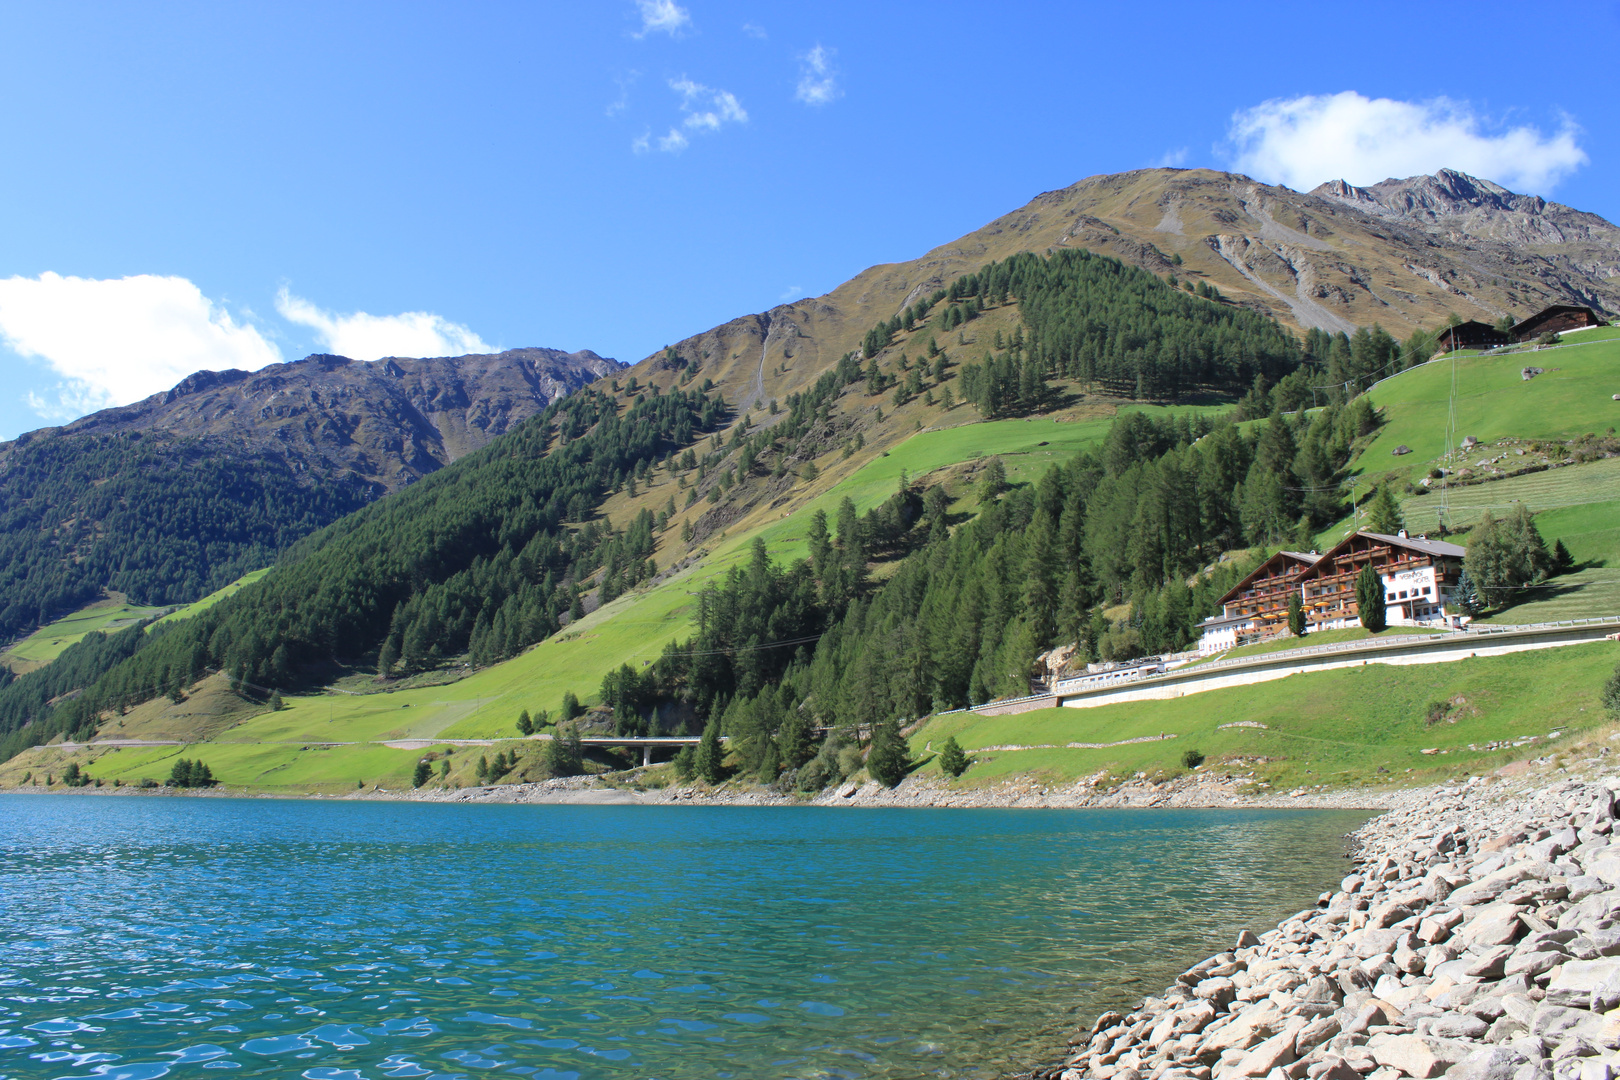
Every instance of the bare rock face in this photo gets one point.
(385, 423)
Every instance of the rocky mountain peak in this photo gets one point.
(1463, 207)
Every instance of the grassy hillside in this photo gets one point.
(47, 643)
(1352, 726)
(1359, 726)
(1518, 423)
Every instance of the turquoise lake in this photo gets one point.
(151, 937)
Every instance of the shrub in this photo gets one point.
(1192, 759)
(424, 773)
(951, 758)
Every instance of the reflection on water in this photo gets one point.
(150, 937)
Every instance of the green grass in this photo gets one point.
(47, 643)
(1574, 397)
(214, 597)
(1336, 727)
(1323, 637)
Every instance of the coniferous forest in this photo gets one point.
(163, 521)
(429, 572)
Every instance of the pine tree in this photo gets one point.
(1296, 615)
(1370, 599)
(710, 763)
(1563, 561)
(685, 763)
(770, 764)
(482, 772)
(571, 706)
(525, 725)
(993, 481)
(276, 704)
(424, 773)
(795, 740)
(951, 758)
(1466, 596)
(888, 759)
(1384, 513)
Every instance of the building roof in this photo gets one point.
(1473, 328)
(1438, 549)
(1277, 562)
(1423, 544)
(1548, 312)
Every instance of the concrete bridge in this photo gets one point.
(647, 743)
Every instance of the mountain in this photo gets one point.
(1096, 338)
(1404, 254)
(172, 497)
(385, 423)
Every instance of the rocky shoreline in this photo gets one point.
(1207, 790)
(1478, 938)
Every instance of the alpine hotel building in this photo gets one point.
(1418, 574)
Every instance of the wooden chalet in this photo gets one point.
(1418, 575)
(1472, 335)
(1558, 319)
(1257, 606)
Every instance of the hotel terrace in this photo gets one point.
(1419, 576)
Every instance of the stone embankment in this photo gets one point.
(1478, 938)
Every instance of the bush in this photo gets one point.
(1192, 759)
(889, 758)
(424, 773)
(1611, 693)
(951, 758)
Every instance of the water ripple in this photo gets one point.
(338, 942)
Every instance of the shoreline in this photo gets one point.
(1477, 937)
(1214, 792)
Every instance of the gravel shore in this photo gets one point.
(1478, 938)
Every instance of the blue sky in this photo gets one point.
(217, 185)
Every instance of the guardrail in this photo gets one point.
(1473, 632)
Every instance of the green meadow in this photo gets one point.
(47, 643)
(1350, 726)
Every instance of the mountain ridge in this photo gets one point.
(1332, 258)
(385, 423)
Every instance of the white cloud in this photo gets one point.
(115, 341)
(754, 30)
(1172, 159)
(1305, 141)
(705, 108)
(664, 16)
(790, 292)
(360, 336)
(622, 102)
(818, 81)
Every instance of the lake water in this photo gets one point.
(151, 937)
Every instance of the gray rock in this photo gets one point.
(1496, 924)
(1586, 984)
(1586, 885)
(1533, 963)
(1488, 963)
(1246, 940)
(1490, 1063)
(1504, 1028)
(1457, 1026)
(1419, 1056)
